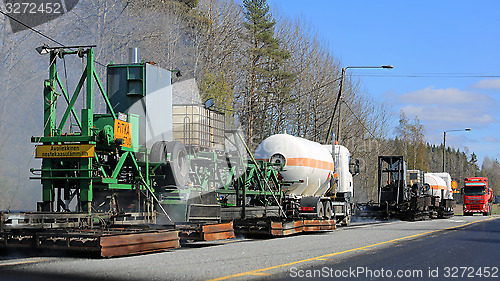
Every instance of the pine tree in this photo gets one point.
(217, 86)
(473, 161)
(266, 80)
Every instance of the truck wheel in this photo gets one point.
(347, 220)
(328, 210)
(488, 212)
(320, 211)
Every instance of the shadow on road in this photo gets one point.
(11, 274)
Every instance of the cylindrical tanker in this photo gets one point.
(309, 165)
(447, 179)
(437, 184)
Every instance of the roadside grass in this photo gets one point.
(458, 210)
(496, 209)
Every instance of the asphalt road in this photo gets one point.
(409, 243)
(469, 253)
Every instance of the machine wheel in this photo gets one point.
(320, 212)
(177, 169)
(328, 210)
(179, 164)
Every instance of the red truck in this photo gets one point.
(478, 197)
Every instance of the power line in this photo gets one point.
(41, 34)
(30, 28)
(322, 86)
(427, 75)
(359, 120)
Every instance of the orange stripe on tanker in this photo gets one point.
(307, 162)
(438, 187)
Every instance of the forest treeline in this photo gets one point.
(410, 142)
(280, 77)
(269, 73)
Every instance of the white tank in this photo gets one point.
(437, 184)
(447, 182)
(307, 163)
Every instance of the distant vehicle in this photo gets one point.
(409, 194)
(478, 197)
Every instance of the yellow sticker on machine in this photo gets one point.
(123, 130)
(65, 151)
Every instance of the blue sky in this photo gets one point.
(452, 46)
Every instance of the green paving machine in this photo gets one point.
(98, 177)
(94, 169)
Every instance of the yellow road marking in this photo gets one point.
(260, 274)
(258, 271)
(10, 263)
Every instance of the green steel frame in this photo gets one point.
(79, 177)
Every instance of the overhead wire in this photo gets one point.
(322, 86)
(437, 75)
(359, 120)
(41, 34)
(30, 28)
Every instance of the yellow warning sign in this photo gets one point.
(65, 151)
(123, 130)
(454, 185)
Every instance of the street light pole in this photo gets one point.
(338, 103)
(444, 144)
(337, 140)
(444, 151)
